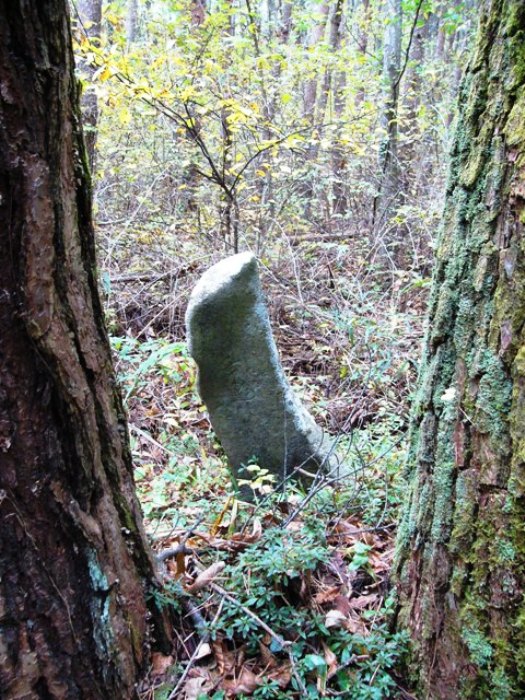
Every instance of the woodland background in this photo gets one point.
(315, 134)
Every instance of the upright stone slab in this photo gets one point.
(252, 408)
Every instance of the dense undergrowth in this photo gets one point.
(207, 144)
(288, 596)
(303, 602)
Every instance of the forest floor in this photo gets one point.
(288, 596)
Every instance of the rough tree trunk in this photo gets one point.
(461, 547)
(74, 565)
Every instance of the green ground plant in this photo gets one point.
(311, 564)
(206, 144)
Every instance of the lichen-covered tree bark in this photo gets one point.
(461, 547)
(74, 565)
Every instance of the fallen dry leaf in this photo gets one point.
(196, 687)
(282, 675)
(216, 525)
(268, 658)
(346, 529)
(225, 659)
(160, 664)
(334, 618)
(244, 538)
(363, 601)
(378, 563)
(355, 625)
(181, 564)
(204, 650)
(342, 604)
(206, 577)
(331, 660)
(246, 682)
(339, 567)
(370, 539)
(327, 595)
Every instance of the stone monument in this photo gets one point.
(252, 408)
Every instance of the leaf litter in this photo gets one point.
(232, 641)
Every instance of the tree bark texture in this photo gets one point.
(461, 545)
(74, 565)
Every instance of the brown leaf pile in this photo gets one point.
(337, 590)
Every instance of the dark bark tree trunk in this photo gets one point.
(74, 565)
(285, 24)
(197, 12)
(461, 545)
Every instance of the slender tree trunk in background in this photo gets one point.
(389, 185)
(362, 43)
(413, 94)
(461, 544)
(436, 41)
(315, 37)
(310, 93)
(132, 22)
(75, 568)
(198, 12)
(325, 85)
(265, 27)
(440, 37)
(334, 84)
(415, 165)
(285, 25)
(197, 16)
(455, 42)
(229, 214)
(90, 16)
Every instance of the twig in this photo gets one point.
(320, 238)
(194, 656)
(197, 617)
(135, 429)
(277, 638)
(296, 675)
(409, 45)
(152, 276)
(181, 548)
(173, 552)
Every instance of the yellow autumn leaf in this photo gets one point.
(103, 74)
